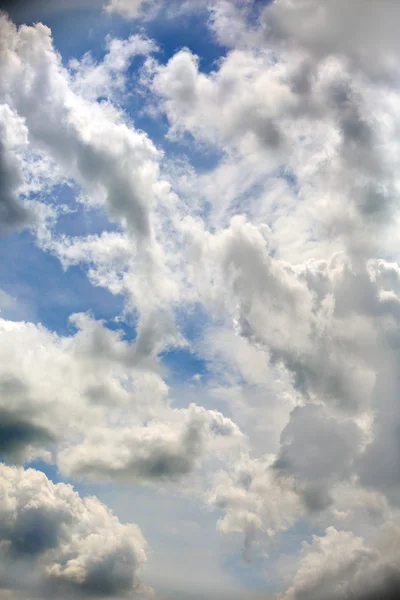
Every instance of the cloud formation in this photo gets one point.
(56, 543)
(274, 272)
(100, 377)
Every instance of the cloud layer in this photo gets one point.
(275, 270)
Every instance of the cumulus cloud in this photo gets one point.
(53, 542)
(301, 316)
(112, 161)
(342, 565)
(156, 452)
(102, 379)
(96, 145)
(193, 100)
(317, 450)
(318, 123)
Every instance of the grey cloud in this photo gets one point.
(130, 9)
(36, 531)
(13, 214)
(16, 434)
(318, 451)
(279, 310)
(379, 465)
(230, 108)
(365, 33)
(151, 453)
(387, 588)
(20, 427)
(21, 10)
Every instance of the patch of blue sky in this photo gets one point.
(192, 320)
(126, 326)
(79, 219)
(250, 572)
(85, 19)
(90, 24)
(191, 30)
(182, 365)
(289, 176)
(44, 292)
(203, 157)
(256, 6)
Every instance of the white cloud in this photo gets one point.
(254, 501)
(96, 146)
(159, 451)
(341, 565)
(119, 422)
(282, 114)
(56, 543)
(92, 143)
(94, 80)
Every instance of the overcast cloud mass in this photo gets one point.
(200, 299)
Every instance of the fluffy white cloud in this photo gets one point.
(79, 135)
(119, 421)
(54, 543)
(342, 565)
(96, 146)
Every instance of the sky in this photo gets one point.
(199, 300)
